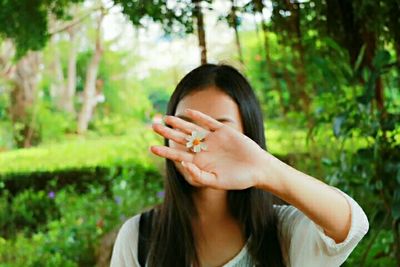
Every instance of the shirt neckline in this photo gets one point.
(238, 256)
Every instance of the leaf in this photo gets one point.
(359, 58)
(331, 43)
(337, 124)
(327, 161)
(381, 58)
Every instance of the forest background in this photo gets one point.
(81, 82)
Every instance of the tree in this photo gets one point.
(63, 88)
(26, 22)
(175, 19)
(67, 103)
(90, 99)
(201, 34)
(234, 22)
(257, 6)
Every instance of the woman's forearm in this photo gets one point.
(320, 202)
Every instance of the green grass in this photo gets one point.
(80, 153)
(282, 139)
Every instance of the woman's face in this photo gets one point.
(214, 103)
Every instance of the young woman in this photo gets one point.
(218, 208)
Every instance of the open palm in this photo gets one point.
(231, 160)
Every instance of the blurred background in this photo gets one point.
(81, 81)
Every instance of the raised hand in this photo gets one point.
(230, 160)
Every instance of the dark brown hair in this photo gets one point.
(172, 243)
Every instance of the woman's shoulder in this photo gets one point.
(130, 227)
(128, 232)
(126, 245)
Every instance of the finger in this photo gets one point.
(199, 176)
(172, 153)
(169, 133)
(189, 178)
(184, 126)
(204, 119)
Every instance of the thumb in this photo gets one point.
(199, 176)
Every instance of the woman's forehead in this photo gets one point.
(214, 103)
(210, 101)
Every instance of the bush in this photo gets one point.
(30, 252)
(32, 209)
(73, 237)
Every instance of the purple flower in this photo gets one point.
(118, 200)
(51, 194)
(161, 194)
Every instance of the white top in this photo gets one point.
(303, 242)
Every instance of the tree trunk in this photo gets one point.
(370, 50)
(350, 31)
(23, 98)
(343, 25)
(89, 93)
(259, 6)
(57, 86)
(235, 27)
(300, 89)
(64, 91)
(63, 88)
(301, 77)
(69, 93)
(198, 13)
(260, 45)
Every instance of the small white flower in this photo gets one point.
(195, 141)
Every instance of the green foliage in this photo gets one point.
(53, 125)
(158, 87)
(112, 125)
(79, 153)
(380, 247)
(318, 77)
(126, 101)
(368, 173)
(6, 136)
(5, 211)
(26, 21)
(24, 251)
(30, 209)
(352, 130)
(124, 95)
(106, 152)
(175, 20)
(74, 237)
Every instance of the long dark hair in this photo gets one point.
(172, 241)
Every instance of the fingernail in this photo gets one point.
(183, 164)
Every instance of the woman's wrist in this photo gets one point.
(267, 177)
